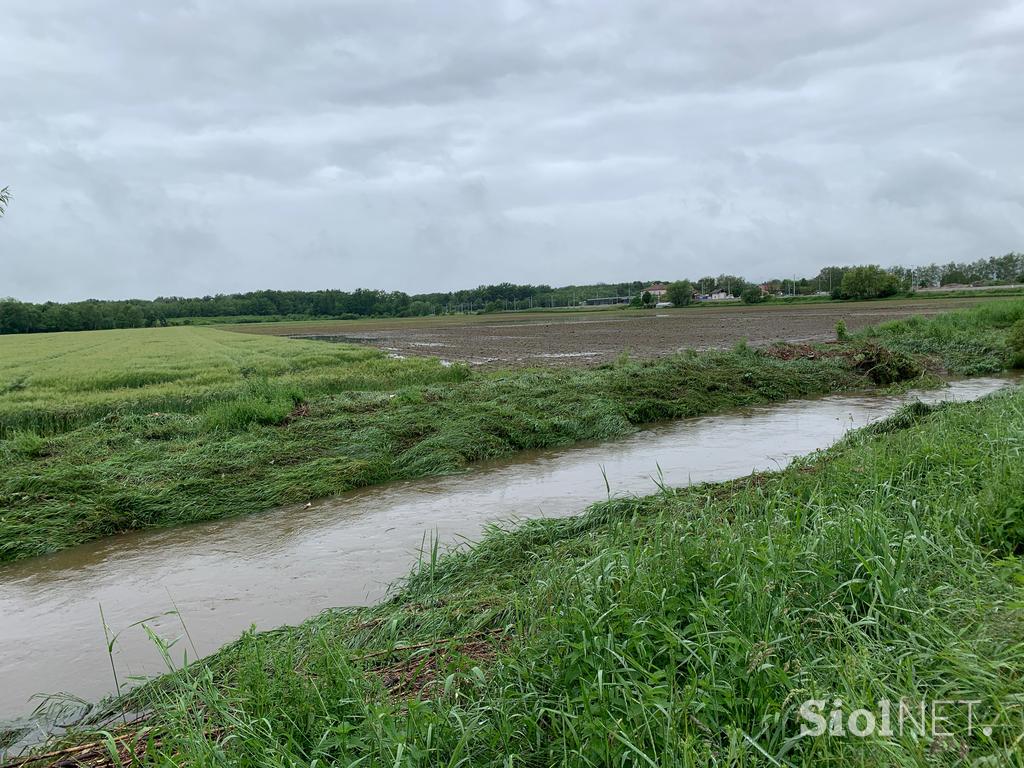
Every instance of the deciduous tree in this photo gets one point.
(680, 293)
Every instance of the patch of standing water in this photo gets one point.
(283, 566)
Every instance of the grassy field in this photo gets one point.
(51, 383)
(109, 431)
(682, 629)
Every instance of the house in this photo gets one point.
(719, 294)
(657, 290)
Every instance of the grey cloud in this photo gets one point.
(200, 147)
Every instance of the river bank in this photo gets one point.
(220, 578)
(679, 628)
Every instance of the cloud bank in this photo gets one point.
(203, 147)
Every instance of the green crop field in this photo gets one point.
(50, 383)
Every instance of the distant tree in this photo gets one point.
(829, 279)
(647, 298)
(904, 277)
(870, 282)
(680, 293)
(1006, 268)
(926, 277)
(752, 294)
(953, 274)
(731, 284)
(5, 199)
(707, 284)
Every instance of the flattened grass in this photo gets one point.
(273, 444)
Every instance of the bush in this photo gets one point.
(741, 347)
(752, 295)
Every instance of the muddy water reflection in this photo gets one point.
(281, 567)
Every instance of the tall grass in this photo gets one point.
(968, 342)
(683, 628)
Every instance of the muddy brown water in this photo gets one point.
(283, 566)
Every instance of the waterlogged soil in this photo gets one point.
(601, 336)
(284, 566)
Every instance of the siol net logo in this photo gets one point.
(936, 719)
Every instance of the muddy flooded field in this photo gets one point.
(575, 338)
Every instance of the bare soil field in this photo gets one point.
(588, 338)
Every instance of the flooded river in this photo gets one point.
(283, 566)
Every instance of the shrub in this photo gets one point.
(741, 348)
(752, 295)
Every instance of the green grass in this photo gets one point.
(111, 431)
(273, 444)
(984, 339)
(53, 383)
(681, 629)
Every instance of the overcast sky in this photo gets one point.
(215, 146)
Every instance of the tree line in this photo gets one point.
(841, 282)
(857, 282)
(93, 314)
